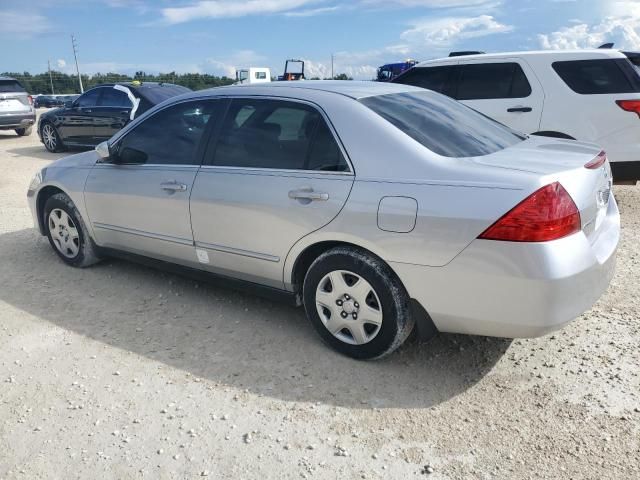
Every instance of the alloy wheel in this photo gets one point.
(49, 137)
(64, 233)
(349, 307)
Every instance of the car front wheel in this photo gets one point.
(357, 303)
(67, 232)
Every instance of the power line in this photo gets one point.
(75, 56)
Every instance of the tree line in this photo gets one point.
(63, 83)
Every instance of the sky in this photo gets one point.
(218, 36)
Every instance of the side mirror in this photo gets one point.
(103, 151)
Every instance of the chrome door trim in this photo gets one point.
(142, 233)
(238, 251)
(277, 171)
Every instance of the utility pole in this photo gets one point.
(50, 79)
(74, 44)
(332, 66)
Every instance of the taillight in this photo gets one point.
(547, 214)
(30, 99)
(630, 106)
(597, 162)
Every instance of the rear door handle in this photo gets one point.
(520, 109)
(307, 193)
(173, 186)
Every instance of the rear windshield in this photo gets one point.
(443, 125)
(10, 86)
(597, 77)
(159, 93)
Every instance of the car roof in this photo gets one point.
(348, 88)
(584, 54)
(8, 78)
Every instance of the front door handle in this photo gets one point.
(173, 186)
(520, 109)
(307, 193)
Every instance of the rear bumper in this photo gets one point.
(23, 120)
(513, 290)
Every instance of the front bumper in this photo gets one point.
(515, 290)
(23, 120)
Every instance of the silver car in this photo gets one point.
(376, 206)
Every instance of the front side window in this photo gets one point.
(437, 79)
(114, 98)
(89, 99)
(169, 137)
(443, 125)
(277, 134)
(593, 77)
(492, 81)
(261, 75)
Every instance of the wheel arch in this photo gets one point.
(43, 195)
(425, 326)
(553, 134)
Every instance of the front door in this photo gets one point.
(276, 175)
(140, 201)
(505, 90)
(111, 114)
(77, 121)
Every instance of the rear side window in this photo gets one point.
(597, 77)
(277, 134)
(443, 125)
(437, 79)
(114, 98)
(10, 86)
(492, 81)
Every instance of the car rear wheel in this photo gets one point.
(357, 304)
(50, 138)
(24, 131)
(67, 232)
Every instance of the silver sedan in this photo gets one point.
(376, 206)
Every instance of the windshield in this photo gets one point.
(443, 125)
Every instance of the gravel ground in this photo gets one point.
(120, 371)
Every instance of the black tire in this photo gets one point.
(55, 145)
(24, 131)
(86, 250)
(397, 320)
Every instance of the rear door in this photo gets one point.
(76, 122)
(111, 114)
(276, 174)
(503, 89)
(140, 202)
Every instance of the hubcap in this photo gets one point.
(64, 233)
(349, 307)
(49, 137)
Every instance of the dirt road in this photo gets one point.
(120, 371)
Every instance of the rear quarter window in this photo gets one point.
(10, 86)
(443, 125)
(598, 77)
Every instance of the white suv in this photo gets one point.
(588, 95)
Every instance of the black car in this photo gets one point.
(100, 112)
